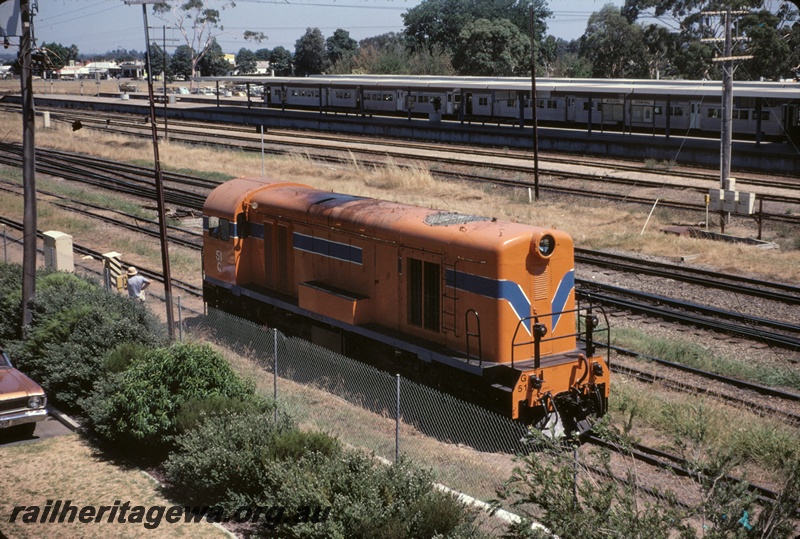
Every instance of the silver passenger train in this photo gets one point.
(762, 110)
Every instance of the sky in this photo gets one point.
(97, 26)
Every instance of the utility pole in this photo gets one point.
(727, 62)
(159, 177)
(28, 169)
(533, 112)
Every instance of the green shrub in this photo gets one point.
(75, 326)
(140, 406)
(121, 357)
(247, 459)
(10, 302)
(194, 411)
(225, 460)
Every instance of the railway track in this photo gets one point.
(190, 192)
(193, 240)
(124, 124)
(782, 292)
(642, 453)
(770, 332)
(512, 163)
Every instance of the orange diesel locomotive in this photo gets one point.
(480, 308)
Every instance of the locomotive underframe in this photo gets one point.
(502, 388)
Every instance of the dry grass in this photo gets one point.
(65, 468)
(459, 467)
(593, 224)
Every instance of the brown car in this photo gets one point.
(22, 401)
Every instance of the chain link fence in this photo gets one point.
(468, 448)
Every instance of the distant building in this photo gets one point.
(132, 70)
(90, 70)
(262, 67)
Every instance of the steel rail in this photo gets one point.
(786, 293)
(678, 313)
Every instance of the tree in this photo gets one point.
(769, 30)
(214, 63)
(181, 62)
(157, 58)
(58, 55)
(614, 46)
(310, 56)
(198, 23)
(280, 60)
(245, 61)
(765, 41)
(340, 46)
(662, 47)
(262, 55)
(439, 22)
(492, 48)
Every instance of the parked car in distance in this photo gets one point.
(22, 401)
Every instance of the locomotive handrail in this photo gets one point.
(470, 334)
(590, 338)
(588, 321)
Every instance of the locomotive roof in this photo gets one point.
(390, 221)
(616, 87)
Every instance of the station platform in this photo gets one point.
(773, 157)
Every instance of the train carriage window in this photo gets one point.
(424, 282)
(224, 229)
(713, 113)
(552, 104)
(676, 111)
(512, 102)
(483, 101)
(658, 110)
(213, 226)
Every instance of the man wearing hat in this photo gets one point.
(136, 284)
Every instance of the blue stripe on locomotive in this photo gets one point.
(562, 295)
(328, 248)
(493, 288)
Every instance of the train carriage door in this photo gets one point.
(694, 115)
(791, 121)
(423, 291)
(468, 103)
(277, 255)
(569, 102)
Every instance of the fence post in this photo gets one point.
(275, 371)
(180, 320)
(397, 423)
(575, 478)
(5, 252)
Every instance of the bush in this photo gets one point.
(141, 405)
(10, 302)
(247, 459)
(75, 325)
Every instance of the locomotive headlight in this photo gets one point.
(547, 244)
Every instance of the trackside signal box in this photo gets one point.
(58, 251)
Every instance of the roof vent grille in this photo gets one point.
(449, 218)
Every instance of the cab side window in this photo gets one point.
(219, 228)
